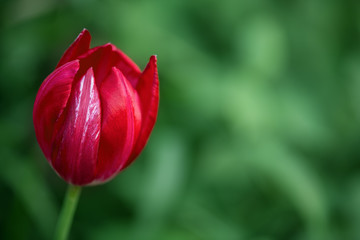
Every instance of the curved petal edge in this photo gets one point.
(78, 47)
(50, 102)
(148, 91)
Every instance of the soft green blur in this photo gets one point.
(258, 133)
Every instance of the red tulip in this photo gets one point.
(93, 115)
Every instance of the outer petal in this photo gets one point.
(50, 103)
(148, 91)
(76, 143)
(118, 125)
(78, 47)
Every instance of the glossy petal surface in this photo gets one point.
(75, 147)
(118, 125)
(94, 114)
(50, 102)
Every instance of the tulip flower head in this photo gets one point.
(94, 113)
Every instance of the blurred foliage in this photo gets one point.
(258, 133)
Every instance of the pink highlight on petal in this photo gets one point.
(50, 102)
(94, 114)
(75, 147)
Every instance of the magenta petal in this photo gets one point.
(94, 114)
(78, 47)
(100, 59)
(50, 102)
(75, 146)
(148, 91)
(130, 70)
(118, 124)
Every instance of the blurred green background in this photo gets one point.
(258, 133)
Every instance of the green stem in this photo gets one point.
(67, 212)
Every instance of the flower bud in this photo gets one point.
(94, 113)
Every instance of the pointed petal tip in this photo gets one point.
(76, 62)
(150, 73)
(78, 47)
(110, 46)
(153, 58)
(84, 32)
(117, 73)
(152, 64)
(90, 71)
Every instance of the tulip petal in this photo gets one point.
(75, 146)
(50, 102)
(148, 91)
(119, 123)
(130, 70)
(100, 59)
(78, 47)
